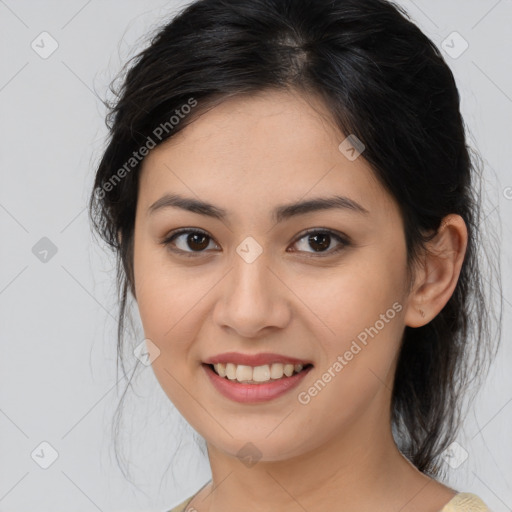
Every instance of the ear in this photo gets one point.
(439, 272)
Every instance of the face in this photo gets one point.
(324, 286)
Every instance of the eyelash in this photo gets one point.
(344, 241)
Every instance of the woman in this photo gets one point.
(289, 193)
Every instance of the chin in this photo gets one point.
(253, 447)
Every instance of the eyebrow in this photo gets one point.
(279, 214)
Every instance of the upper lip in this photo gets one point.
(254, 359)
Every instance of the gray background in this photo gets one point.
(58, 317)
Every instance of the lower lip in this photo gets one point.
(253, 393)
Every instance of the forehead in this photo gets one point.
(280, 123)
(270, 148)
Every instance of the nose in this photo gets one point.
(252, 298)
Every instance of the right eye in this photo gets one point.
(196, 239)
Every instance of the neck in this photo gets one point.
(360, 468)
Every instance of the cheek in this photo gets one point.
(163, 296)
(171, 308)
(167, 312)
(359, 313)
(365, 320)
(352, 296)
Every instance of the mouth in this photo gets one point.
(255, 375)
(250, 385)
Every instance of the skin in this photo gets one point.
(249, 155)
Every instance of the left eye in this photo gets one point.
(198, 241)
(321, 239)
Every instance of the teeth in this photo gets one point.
(288, 370)
(276, 371)
(261, 373)
(221, 369)
(250, 374)
(230, 371)
(243, 373)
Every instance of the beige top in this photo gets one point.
(461, 502)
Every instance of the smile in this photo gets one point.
(256, 374)
(240, 382)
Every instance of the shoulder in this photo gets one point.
(465, 502)
(182, 506)
(461, 502)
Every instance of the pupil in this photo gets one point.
(323, 236)
(196, 236)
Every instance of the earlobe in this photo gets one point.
(439, 273)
